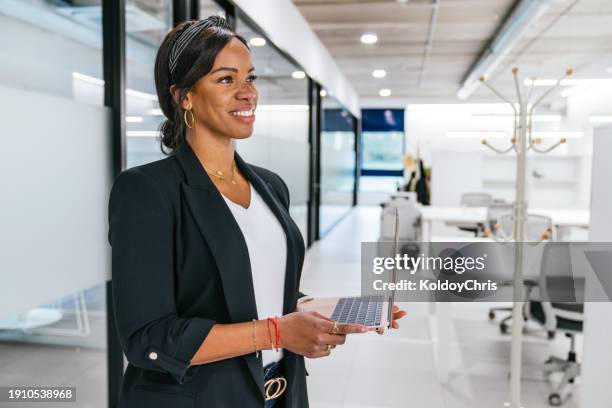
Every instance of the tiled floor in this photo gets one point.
(397, 369)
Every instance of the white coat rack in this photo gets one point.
(521, 142)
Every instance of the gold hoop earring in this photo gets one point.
(192, 119)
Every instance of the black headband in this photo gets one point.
(184, 38)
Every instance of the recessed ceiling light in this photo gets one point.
(298, 75)
(379, 73)
(384, 92)
(369, 38)
(323, 93)
(257, 41)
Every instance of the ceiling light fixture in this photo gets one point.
(323, 93)
(521, 20)
(257, 41)
(369, 38)
(567, 81)
(134, 119)
(384, 92)
(379, 73)
(298, 75)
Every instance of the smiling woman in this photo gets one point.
(185, 72)
(196, 289)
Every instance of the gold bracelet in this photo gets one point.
(255, 338)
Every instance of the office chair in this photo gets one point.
(539, 228)
(474, 200)
(495, 210)
(556, 316)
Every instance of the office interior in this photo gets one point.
(363, 104)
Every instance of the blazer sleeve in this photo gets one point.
(151, 333)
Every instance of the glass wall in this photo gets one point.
(69, 64)
(146, 24)
(338, 161)
(52, 297)
(280, 139)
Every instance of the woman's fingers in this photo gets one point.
(319, 354)
(398, 313)
(332, 339)
(320, 316)
(348, 328)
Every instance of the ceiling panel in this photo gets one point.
(571, 34)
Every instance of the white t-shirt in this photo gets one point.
(267, 246)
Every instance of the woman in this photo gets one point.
(205, 254)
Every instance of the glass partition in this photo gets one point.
(280, 139)
(338, 161)
(69, 64)
(146, 24)
(55, 178)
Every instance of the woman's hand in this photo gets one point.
(312, 335)
(397, 314)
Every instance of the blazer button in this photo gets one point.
(153, 355)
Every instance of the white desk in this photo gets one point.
(450, 215)
(562, 219)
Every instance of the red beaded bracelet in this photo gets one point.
(276, 330)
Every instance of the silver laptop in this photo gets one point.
(376, 312)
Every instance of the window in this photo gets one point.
(382, 148)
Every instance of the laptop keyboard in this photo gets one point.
(366, 310)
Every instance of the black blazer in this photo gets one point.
(179, 265)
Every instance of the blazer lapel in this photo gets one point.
(226, 242)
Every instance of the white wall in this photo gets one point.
(559, 179)
(597, 359)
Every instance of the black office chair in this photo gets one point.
(556, 315)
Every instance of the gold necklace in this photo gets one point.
(221, 176)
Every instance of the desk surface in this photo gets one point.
(458, 214)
